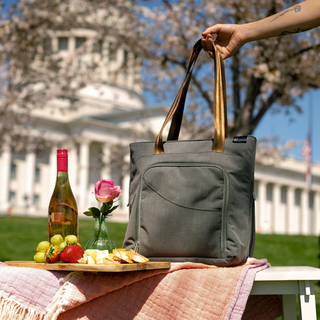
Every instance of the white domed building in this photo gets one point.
(106, 114)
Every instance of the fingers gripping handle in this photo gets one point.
(219, 106)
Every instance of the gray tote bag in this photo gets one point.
(192, 200)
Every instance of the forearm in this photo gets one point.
(298, 18)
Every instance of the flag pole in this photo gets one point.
(310, 136)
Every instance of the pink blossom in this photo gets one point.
(105, 191)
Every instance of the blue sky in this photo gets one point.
(279, 125)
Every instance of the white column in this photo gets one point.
(312, 213)
(29, 181)
(305, 217)
(52, 171)
(125, 192)
(293, 219)
(262, 203)
(54, 43)
(71, 44)
(20, 190)
(73, 169)
(84, 175)
(5, 177)
(126, 186)
(316, 210)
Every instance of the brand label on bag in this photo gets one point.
(242, 139)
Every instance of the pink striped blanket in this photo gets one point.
(185, 291)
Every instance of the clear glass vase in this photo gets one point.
(100, 241)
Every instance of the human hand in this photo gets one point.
(230, 38)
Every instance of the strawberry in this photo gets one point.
(72, 253)
(52, 254)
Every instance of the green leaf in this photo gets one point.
(112, 209)
(95, 212)
(88, 213)
(105, 214)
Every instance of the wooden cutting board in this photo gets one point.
(151, 265)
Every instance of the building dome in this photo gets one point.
(105, 94)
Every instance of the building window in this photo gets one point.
(37, 174)
(125, 57)
(36, 201)
(79, 63)
(112, 52)
(98, 46)
(284, 195)
(63, 43)
(269, 192)
(13, 171)
(12, 198)
(47, 46)
(80, 41)
(297, 197)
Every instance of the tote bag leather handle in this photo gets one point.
(219, 105)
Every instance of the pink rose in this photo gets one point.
(105, 191)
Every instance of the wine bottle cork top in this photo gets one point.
(62, 160)
(62, 153)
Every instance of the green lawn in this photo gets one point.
(19, 236)
(283, 250)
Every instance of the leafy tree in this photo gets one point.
(264, 75)
(33, 69)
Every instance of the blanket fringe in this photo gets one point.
(59, 300)
(11, 310)
(70, 276)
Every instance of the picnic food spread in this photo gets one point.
(118, 256)
(68, 250)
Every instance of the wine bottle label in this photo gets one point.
(57, 217)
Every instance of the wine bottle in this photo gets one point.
(63, 211)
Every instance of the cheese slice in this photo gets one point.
(90, 260)
(83, 261)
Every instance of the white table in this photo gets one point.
(289, 281)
